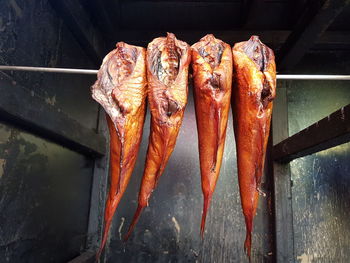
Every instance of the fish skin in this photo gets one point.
(167, 98)
(121, 90)
(253, 92)
(212, 94)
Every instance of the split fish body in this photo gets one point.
(167, 71)
(253, 92)
(121, 90)
(212, 75)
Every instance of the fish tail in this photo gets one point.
(248, 238)
(134, 222)
(207, 199)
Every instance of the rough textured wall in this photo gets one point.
(321, 182)
(44, 199)
(168, 230)
(44, 188)
(32, 35)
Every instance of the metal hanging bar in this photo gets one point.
(312, 77)
(53, 70)
(93, 72)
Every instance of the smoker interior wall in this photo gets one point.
(44, 188)
(168, 230)
(321, 182)
(32, 35)
(44, 199)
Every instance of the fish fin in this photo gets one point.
(134, 222)
(248, 238)
(206, 204)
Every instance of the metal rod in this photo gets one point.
(93, 71)
(53, 70)
(313, 77)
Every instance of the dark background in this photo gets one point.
(44, 187)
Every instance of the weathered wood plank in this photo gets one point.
(78, 21)
(114, 12)
(274, 37)
(29, 111)
(326, 133)
(251, 10)
(312, 24)
(192, 36)
(99, 12)
(170, 15)
(335, 38)
(184, 1)
(284, 239)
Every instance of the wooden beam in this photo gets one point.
(85, 257)
(251, 10)
(184, 1)
(335, 38)
(284, 235)
(78, 21)
(170, 15)
(274, 37)
(192, 36)
(114, 12)
(297, 8)
(312, 24)
(326, 133)
(100, 13)
(27, 110)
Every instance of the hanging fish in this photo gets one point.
(212, 75)
(168, 61)
(253, 92)
(121, 90)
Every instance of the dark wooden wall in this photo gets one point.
(321, 182)
(44, 187)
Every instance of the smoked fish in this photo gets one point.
(168, 61)
(121, 89)
(212, 75)
(254, 89)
